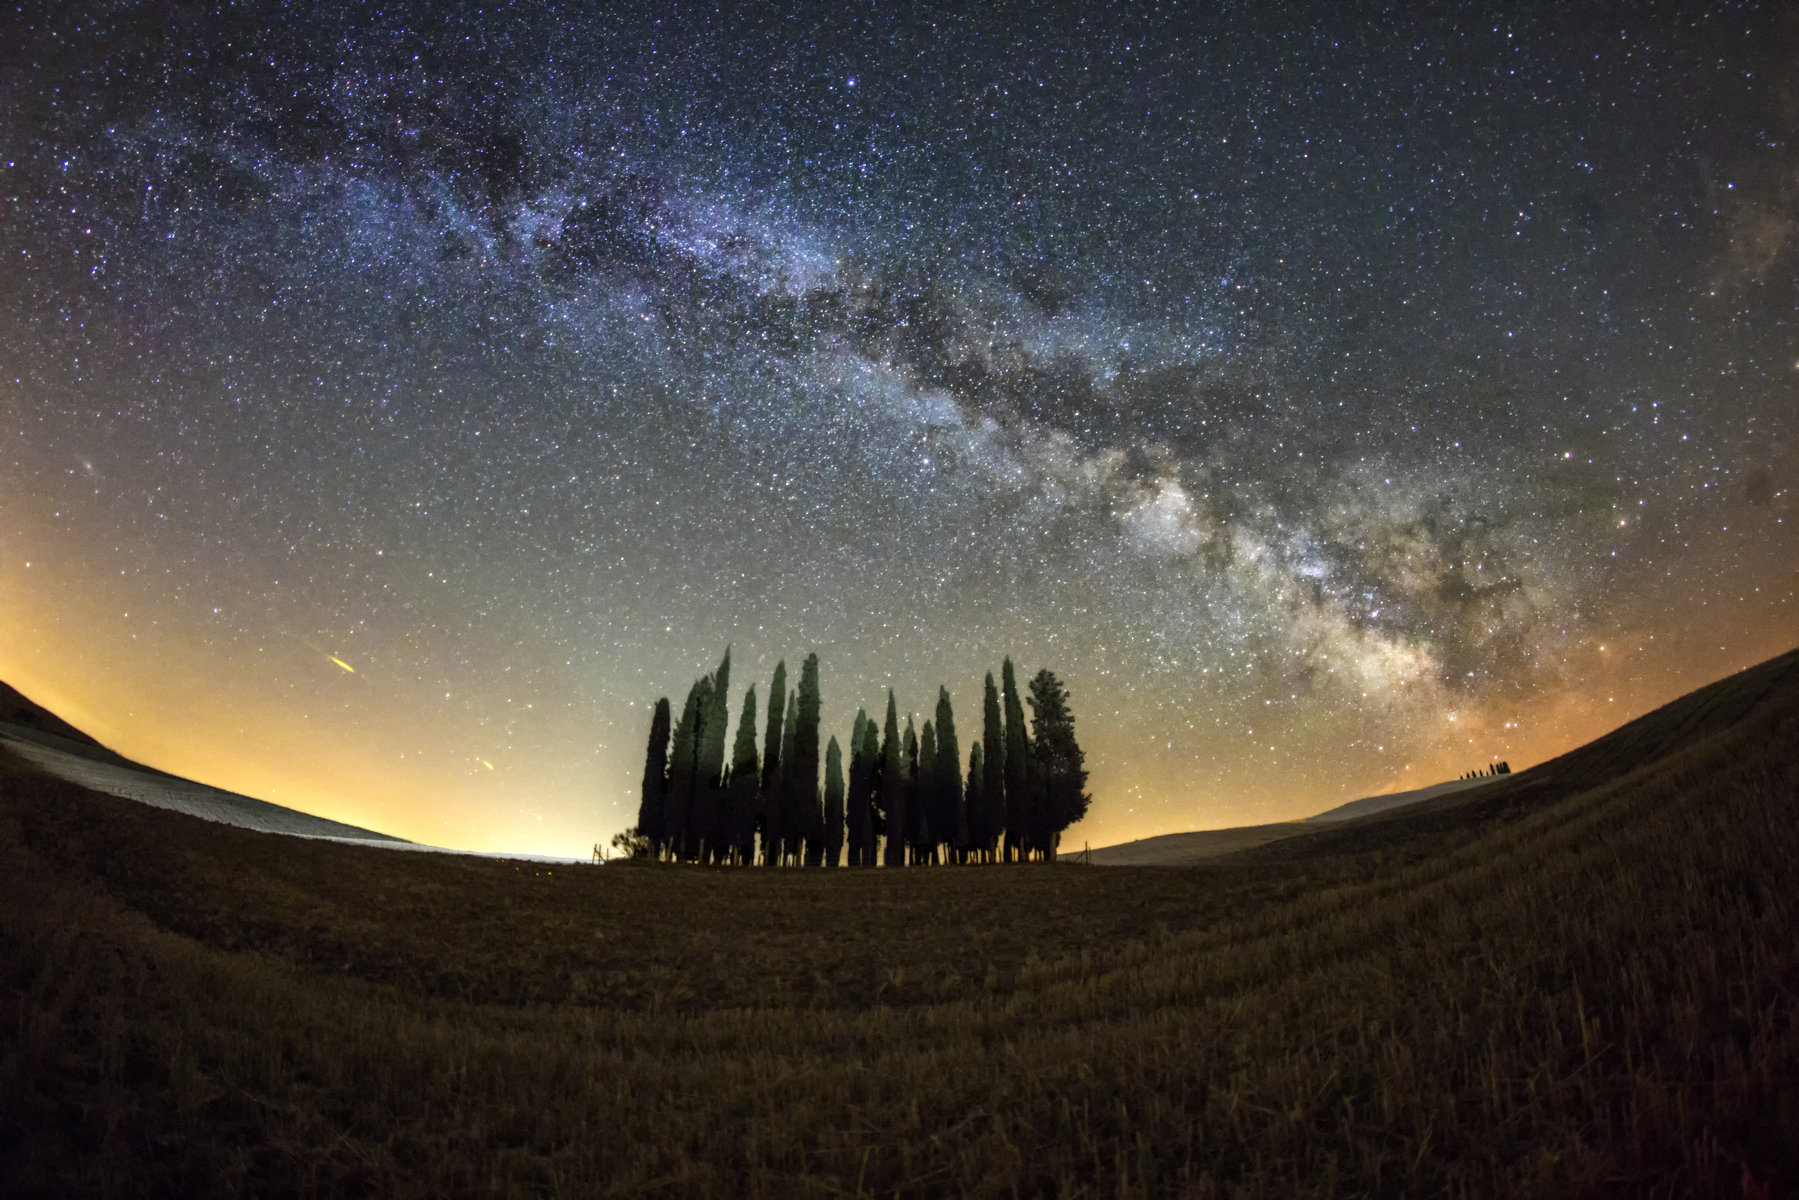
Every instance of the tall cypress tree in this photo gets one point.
(789, 843)
(1017, 771)
(930, 801)
(652, 811)
(710, 814)
(856, 810)
(702, 801)
(683, 767)
(1061, 773)
(804, 769)
(834, 794)
(741, 799)
(993, 771)
(948, 768)
(790, 819)
(976, 804)
(914, 836)
(771, 767)
(871, 757)
(893, 787)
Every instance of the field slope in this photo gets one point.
(54, 747)
(1582, 985)
(1204, 845)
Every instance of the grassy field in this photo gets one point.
(1584, 984)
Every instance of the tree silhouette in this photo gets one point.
(834, 793)
(904, 798)
(871, 761)
(683, 768)
(652, 811)
(745, 783)
(1061, 772)
(1017, 771)
(857, 814)
(788, 846)
(709, 812)
(947, 766)
(929, 802)
(893, 787)
(771, 767)
(976, 803)
(993, 770)
(915, 832)
(809, 822)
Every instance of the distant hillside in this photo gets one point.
(1369, 805)
(1368, 821)
(1675, 728)
(16, 709)
(1185, 849)
(52, 745)
(1204, 845)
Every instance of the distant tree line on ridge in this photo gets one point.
(1499, 768)
(904, 799)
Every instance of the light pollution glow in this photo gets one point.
(163, 696)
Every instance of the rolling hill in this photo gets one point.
(21, 713)
(54, 746)
(1204, 845)
(1664, 734)
(1657, 734)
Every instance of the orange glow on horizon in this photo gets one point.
(245, 718)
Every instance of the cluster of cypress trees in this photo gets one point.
(906, 798)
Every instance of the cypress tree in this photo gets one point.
(856, 809)
(834, 794)
(993, 771)
(710, 814)
(741, 798)
(788, 845)
(954, 827)
(930, 799)
(871, 758)
(652, 811)
(1061, 771)
(972, 798)
(771, 768)
(914, 825)
(893, 787)
(1017, 771)
(683, 768)
(804, 770)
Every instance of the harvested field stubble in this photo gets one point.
(1594, 996)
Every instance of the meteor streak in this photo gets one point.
(323, 653)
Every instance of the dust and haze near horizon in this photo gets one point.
(394, 402)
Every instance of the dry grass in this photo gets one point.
(1590, 995)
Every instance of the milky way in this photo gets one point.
(395, 401)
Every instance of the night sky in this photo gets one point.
(396, 399)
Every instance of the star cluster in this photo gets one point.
(393, 401)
